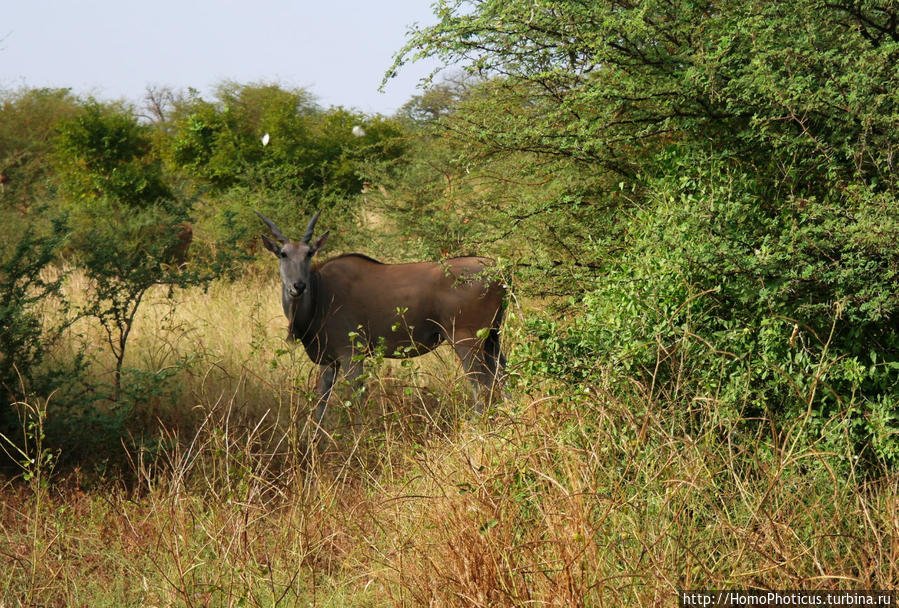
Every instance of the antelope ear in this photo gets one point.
(271, 245)
(320, 241)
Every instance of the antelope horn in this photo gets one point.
(273, 228)
(308, 236)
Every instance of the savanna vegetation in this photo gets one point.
(695, 206)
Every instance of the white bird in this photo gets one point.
(358, 131)
(265, 139)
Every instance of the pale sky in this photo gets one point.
(336, 49)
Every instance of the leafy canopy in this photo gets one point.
(722, 172)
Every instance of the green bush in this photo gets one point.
(105, 152)
(774, 311)
(748, 254)
(309, 150)
(24, 339)
(28, 119)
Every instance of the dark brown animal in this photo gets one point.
(177, 252)
(176, 240)
(348, 306)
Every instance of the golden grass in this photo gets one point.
(572, 499)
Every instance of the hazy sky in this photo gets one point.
(337, 49)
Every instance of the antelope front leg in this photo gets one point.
(327, 375)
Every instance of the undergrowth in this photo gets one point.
(581, 495)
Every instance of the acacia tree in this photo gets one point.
(597, 80)
(219, 141)
(128, 227)
(24, 340)
(310, 159)
(28, 119)
(308, 148)
(742, 151)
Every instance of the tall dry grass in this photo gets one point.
(572, 497)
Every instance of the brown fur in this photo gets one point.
(352, 304)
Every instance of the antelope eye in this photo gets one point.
(282, 254)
